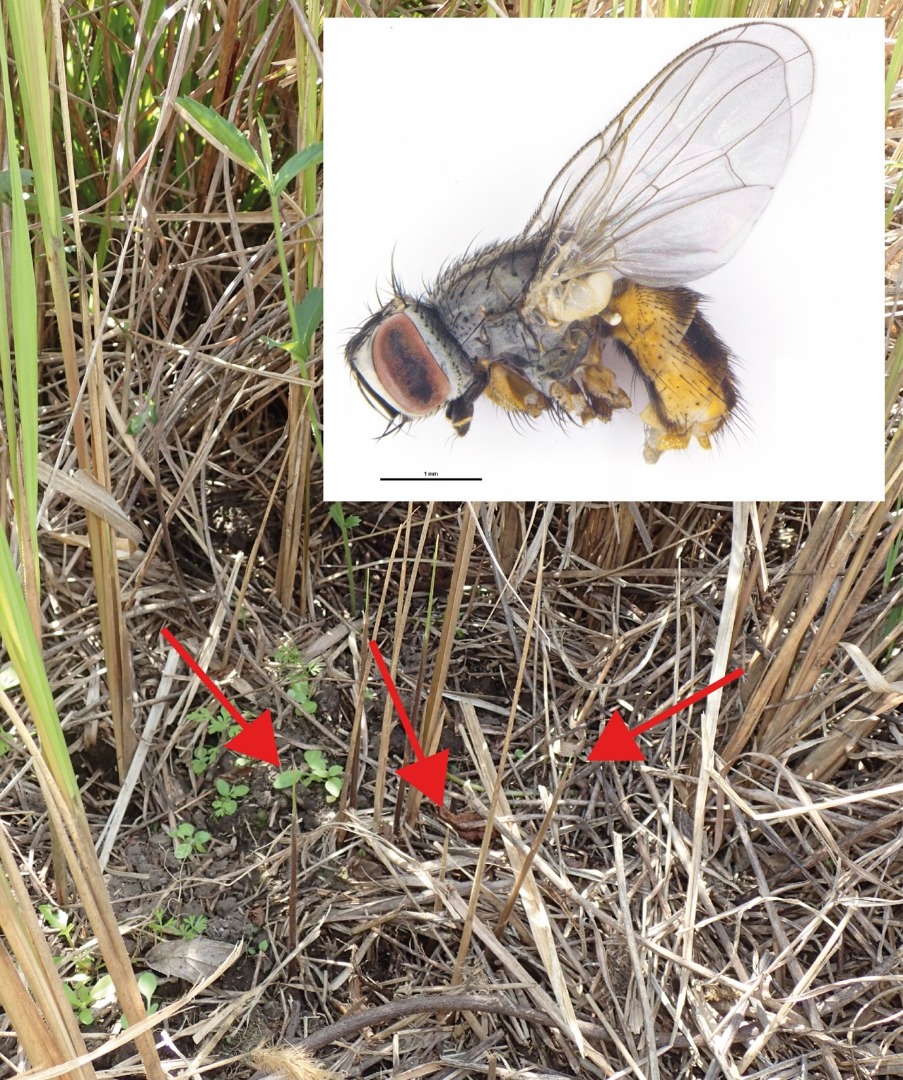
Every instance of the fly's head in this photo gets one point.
(409, 366)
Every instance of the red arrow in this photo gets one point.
(618, 742)
(256, 739)
(427, 774)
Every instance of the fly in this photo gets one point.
(664, 195)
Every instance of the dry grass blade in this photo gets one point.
(431, 728)
(102, 539)
(43, 1017)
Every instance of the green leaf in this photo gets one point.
(300, 690)
(240, 790)
(103, 992)
(148, 415)
(316, 761)
(352, 521)
(337, 514)
(304, 159)
(26, 176)
(221, 722)
(222, 786)
(222, 134)
(183, 850)
(192, 926)
(308, 316)
(266, 150)
(287, 779)
(56, 918)
(147, 984)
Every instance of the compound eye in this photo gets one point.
(407, 369)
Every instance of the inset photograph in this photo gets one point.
(602, 260)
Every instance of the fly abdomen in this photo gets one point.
(684, 363)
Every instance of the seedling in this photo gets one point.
(192, 926)
(299, 692)
(58, 920)
(288, 778)
(226, 802)
(258, 947)
(203, 758)
(189, 927)
(161, 923)
(217, 723)
(147, 985)
(147, 415)
(189, 841)
(85, 997)
(318, 771)
(300, 677)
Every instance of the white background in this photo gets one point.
(443, 134)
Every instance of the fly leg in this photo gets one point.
(601, 393)
(589, 389)
(509, 390)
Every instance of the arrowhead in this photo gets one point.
(428, 776)
(616, 743)
(257, 740)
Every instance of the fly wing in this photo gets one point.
(671, 188)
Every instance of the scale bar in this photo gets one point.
(431, 479)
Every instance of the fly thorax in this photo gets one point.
(560, 301)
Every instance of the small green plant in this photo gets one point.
(189, 927)
(300, 677)
(256, 948)
(307, 315)
(189, 841)
(85, 995)
(192, 926)
(205, 756)
(318, 771)
(226, 802)
(146, 415)
(346, 523)
(161, 923)
(58, 920)
(147, 985)
(288, 778)
(299, 690)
